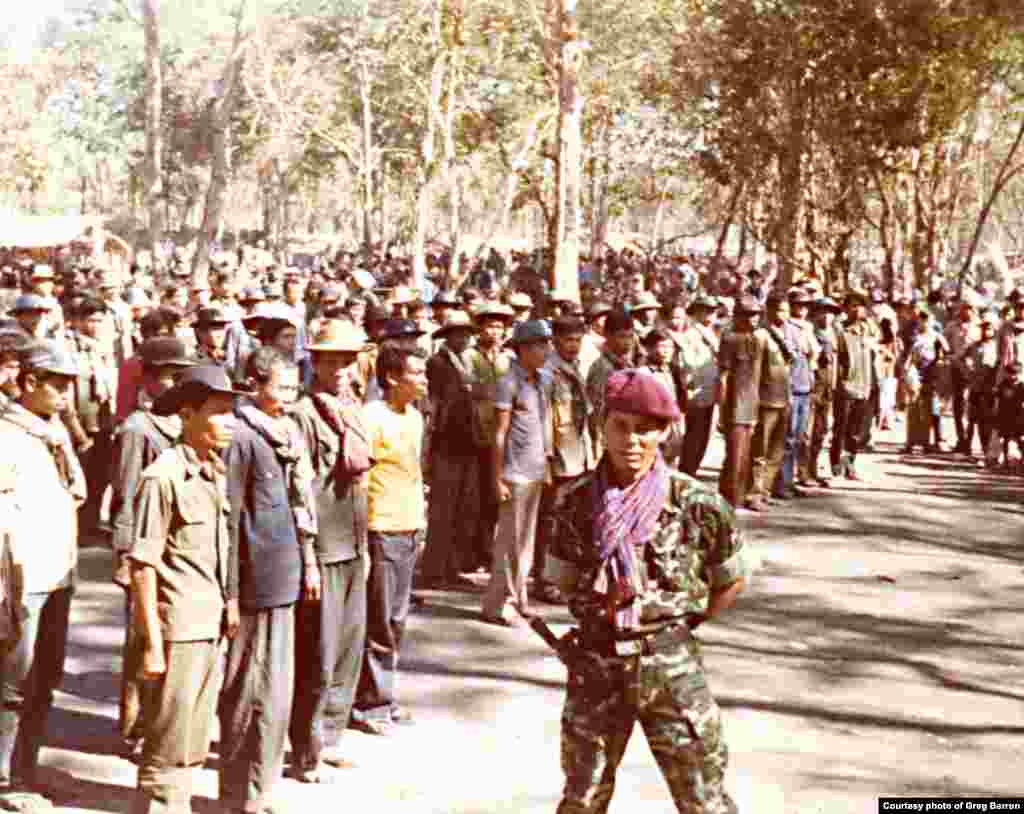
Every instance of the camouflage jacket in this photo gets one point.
(697, 549)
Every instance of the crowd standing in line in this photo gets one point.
(280, 457)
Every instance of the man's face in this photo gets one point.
(286, 340)
(46, 394)
(597, 324)
(279, 391)
(632, 443)
(458, 340)
(92, 325)
(212, 337)
(293, 290)
(986, 330)
(569, 346)
(636, 283)
(333, 370)
(798, 310)
(159, 380)
(705, 316)
(855, 312)
(533, 355)
(646, 317)
(9, 367)
(30, 321)
(778, 312)
(225, 290)
(492, 331)
(212, 425)
(107, 293)
(677, 319)
(661, 352)
(411, 384)
(621, 342)
(43, 287)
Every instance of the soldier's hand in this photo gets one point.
(122, 570)
(154, 664)
(502, 490)
(312, 588)
(232, 618)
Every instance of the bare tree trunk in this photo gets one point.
(220, 174)
(566, 246)
(427, 169)
(1007, 170)
(730, 217)
(152, 170)
(367, 167)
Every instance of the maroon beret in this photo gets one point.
(639, 393)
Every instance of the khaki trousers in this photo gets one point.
(768, 449)
(178, 727)
(732, 482)
(514, 542)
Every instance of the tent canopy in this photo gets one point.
(47, 231)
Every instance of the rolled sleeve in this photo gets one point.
(741, 565)
(152, 522)
(505, 392)
(129, 454)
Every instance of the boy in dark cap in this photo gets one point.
(186, 597)
(139, 440)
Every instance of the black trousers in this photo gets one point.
(849, 416)
(255, 707)
(484, 538)
(329, 643)
(699, 421)
(960, 408)
(389, 591)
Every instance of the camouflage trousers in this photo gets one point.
(667, 693)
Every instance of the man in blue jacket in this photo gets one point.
(269, 483)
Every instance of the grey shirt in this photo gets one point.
(528, 442)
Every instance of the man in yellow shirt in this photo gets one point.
(397, 517)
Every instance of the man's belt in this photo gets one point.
(646, 644)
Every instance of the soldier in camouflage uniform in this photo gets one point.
(644, 554)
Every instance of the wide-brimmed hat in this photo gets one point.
(206, 317)
(252, 293)
(338, 336)
(645, 302)
(827, 304)
(31, 302)
(856, 297)
(400, 329)
(446, 299)
(42, 271)
(597, 309)
(520, 301)
(747, 306)
(493, 310)
(363, 279)
(47, 356)
(702, 301)
(531, 330)
(458, 321)
(195, 384)
(270, 312)
(568, 326)
(165, 351)
(798, 295)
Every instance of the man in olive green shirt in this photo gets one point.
(182, 588)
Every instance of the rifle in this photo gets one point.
(584, 667)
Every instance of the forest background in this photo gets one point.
(837, 137)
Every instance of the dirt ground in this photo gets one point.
(877, 652)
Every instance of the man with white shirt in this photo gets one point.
(43, 474)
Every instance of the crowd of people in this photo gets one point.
(279, 457)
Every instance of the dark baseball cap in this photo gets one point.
(195, 386)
